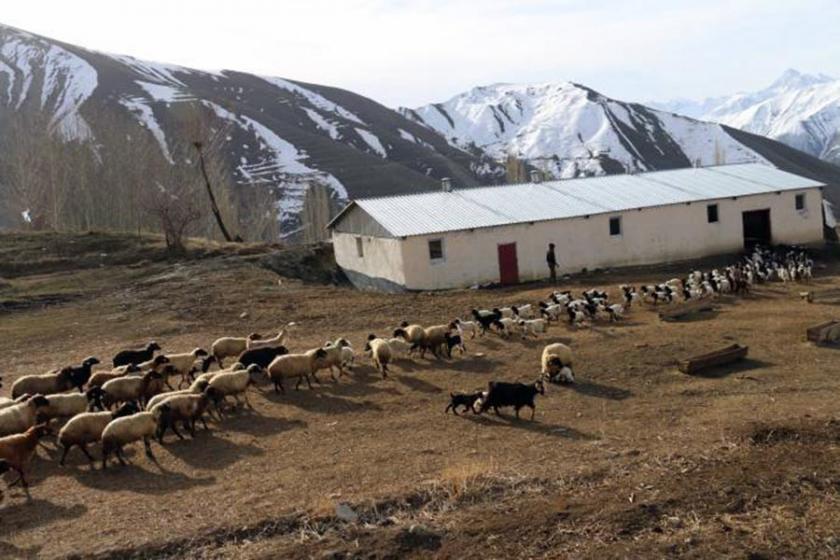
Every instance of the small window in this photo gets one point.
(436, 249)
(800, 202)
(360, 249)
(712, 213)
(615, 226)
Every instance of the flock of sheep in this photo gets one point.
(135, 400)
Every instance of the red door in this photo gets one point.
(508, 264)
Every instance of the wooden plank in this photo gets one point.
(681, 310)
(712, 359)
(817, 333)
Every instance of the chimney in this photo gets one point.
(536, 176)
(446, 184)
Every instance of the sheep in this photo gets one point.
(532, 326)
(197, 386)
(261, 356)
(504, 326)
(348, 357)
(22, 416)
(277, 340)
(464, 327)
(182, 363)
(126, 357)
(131, 388)
(467, 400)
(233, 383)
(557, 363)
(6, 402)
(79, 375)
(523, 311)
(202, 365)
(229, 346)
(552, 311)
(301, 366)
(454, 341)
(125, 430)
(434, 338)
(413, 334)
(71, 404)
(517, 395)
(87, 427)
(155, 363)
(186, 408)
(380, 351)
(333, 359)
(17, 451)
(45, 384)
(399, 347)
(99, 378)
(484, 319)
(505, 312)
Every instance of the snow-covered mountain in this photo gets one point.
(800, 110)
(284, 135)
(567, 130)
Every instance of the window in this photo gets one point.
(615, 226)
(360, 249)
(800, 202)
(712, 213)
(436, 249)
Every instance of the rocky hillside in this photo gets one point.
(281, 134)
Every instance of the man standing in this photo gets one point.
(551, 260)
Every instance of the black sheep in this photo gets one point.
(79, 375)
(261, 356)
(126, 357)
(467, 400)
(517, 395)
(485, 319)
(454, 341)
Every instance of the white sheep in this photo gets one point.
(6, 402)
(45, 384)
(464, 327)
(230, 346)
(533, 327)
(278, 340)
(125, 430)
(182, 363)
(399, 347)
(197, 386)
(87, 427)
(233, 383)
(65, 405)
(380, 352)
(99, 378)
(333, 359)
(505, 326)
(301, 366)
(523, 311)
(184, 408)
(348, 358)
(131, 388)
(21, 416)
(557, 363)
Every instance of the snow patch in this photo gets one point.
(373, 141)
(143, 112)
(322, 123)
(316, 99)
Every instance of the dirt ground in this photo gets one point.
(634, 461)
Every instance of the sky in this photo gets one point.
(408, 53)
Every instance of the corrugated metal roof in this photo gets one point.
(437, 212)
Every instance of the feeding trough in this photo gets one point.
(713, 359)
(824, 333)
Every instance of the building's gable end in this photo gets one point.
(358, 222)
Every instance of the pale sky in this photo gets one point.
(402, 52)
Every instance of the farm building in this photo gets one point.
(461, 237)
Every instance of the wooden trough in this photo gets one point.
(682, 310)
(824, 333)
(713, 359)
(831, 295)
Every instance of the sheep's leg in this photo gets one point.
(297, 385)
(516, 408)
(533, 411)
(119, 453)
(64, 455)
(83, 447)
(496, 410)
(203, 423)
(174, 427)
(166, 381)
(446, 410)
(308, 382)
(190, 427)
(247, 402)
(148, 445)
(278, 387)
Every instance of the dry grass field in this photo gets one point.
(635, 461)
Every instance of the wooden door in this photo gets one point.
(757, 228)
(508, 264)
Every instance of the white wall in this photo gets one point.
(382, 257)
(652, 235)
